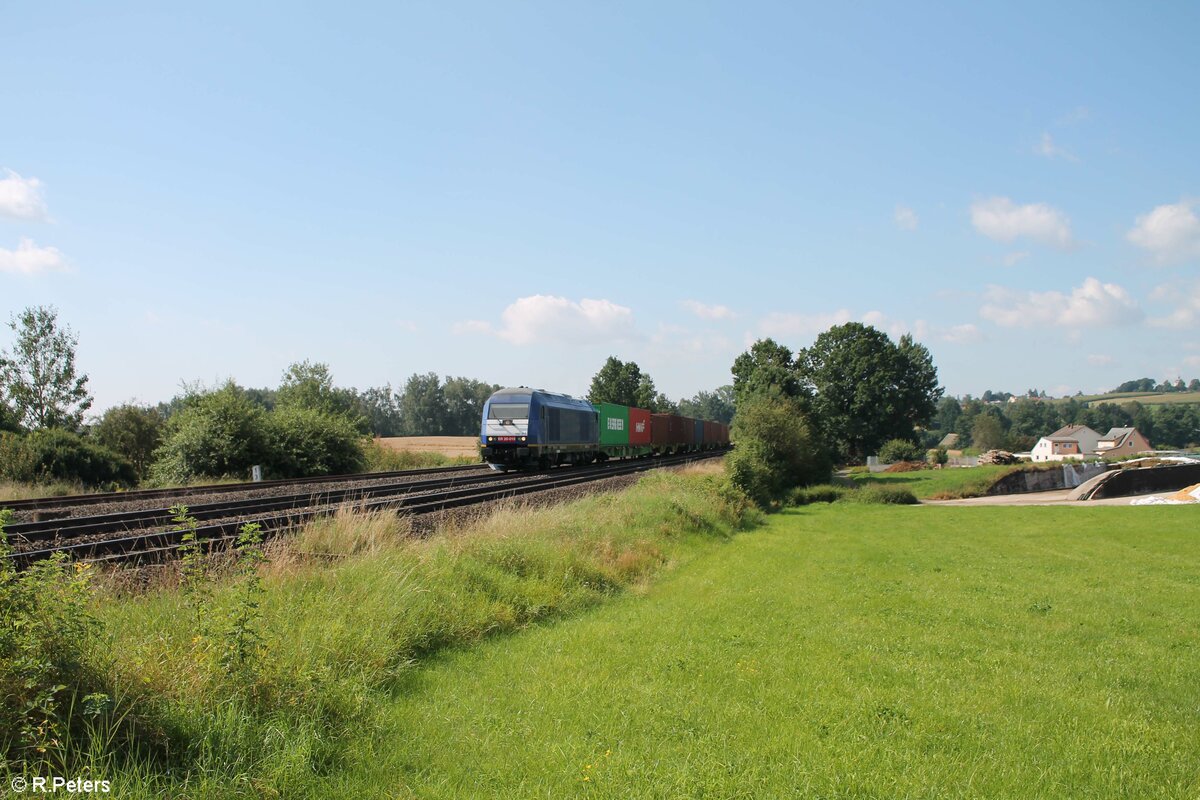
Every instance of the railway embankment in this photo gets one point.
(254, 672)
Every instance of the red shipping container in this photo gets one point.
(639, 426)
(667, 431)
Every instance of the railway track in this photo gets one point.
(52, 504)
(149, 534)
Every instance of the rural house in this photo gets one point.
(1123, 442)
(1073, 441)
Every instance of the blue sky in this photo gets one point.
(515, 191)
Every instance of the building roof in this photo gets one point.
(1118, 436)
(1070, 433)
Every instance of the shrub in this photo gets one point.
(937, 456)
(775, 449)
(897, 450)
(51, 454)
(46, 632)
(825, 493)
(215, 434)
(133, 432)
(881, 495)
(306, 441)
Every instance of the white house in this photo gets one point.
(1073, 441)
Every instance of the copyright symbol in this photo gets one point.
(19, 785)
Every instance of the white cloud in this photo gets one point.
(1047, 148)
(1075, 116)
(1186, 302)
(906, 218)
(1012, 259)
(21, 198)
(967, 333)
(1192, 361)
(406, 325)
(797, 326)
(1091, 305)
(783, 326)
(708, 312)
(1000, 219)
(1100, 360)
(29, 259)
(1170, 232)
(541, 318)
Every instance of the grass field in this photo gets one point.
(1145, 398)
(841, 651)
(938, 483)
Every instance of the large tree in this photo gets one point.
(623, 382)
(38, 377)
(309, 385)
(464, 399)
(766, 368)
(423, 406)
(716, 405)
(867, 389)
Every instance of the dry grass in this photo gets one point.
(451, 446)
(11, 490)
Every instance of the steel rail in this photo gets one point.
(76, 500)
(163, 543)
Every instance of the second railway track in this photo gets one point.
(147, 534)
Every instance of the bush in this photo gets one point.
(305, 441)
(937, 456)
(133, 432)
(222, 433)
(51, 454)
(775, 450)
(881, 495)
(46, 632)
(897, 450)
(825, 493)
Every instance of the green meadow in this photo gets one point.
(838, 651)
(667, 641)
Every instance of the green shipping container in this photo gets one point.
(614, 423)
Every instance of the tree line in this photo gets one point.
(1018, 425)
(306, 425)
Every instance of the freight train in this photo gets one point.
(525, 427)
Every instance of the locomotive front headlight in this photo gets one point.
(522, 438)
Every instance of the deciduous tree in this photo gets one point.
(623, 383)
(38, 377)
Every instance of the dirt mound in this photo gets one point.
(907, 466)
(998, 457)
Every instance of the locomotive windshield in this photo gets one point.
(509, 406)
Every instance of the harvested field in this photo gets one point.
(451, 446)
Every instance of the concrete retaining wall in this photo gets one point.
(1067, 476)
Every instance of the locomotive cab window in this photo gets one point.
(508, 411)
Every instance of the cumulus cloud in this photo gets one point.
(782, 325)
(1012, 259)
(1091, 305)
(708, 312)
(967, 333)
(798, 326)
(29, 259)
(542, 318)
(1186, 301)
(1100, 360)
(1047, 148)
(21, 198)
(906, 218)
(1001, 219)
(1171, 233)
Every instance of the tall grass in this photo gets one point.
(346, 610)
(387, 459)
